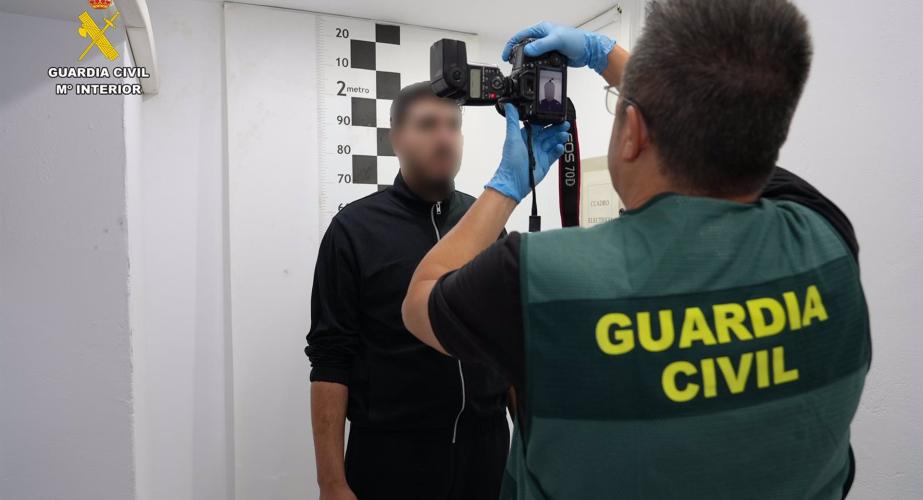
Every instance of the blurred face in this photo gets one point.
(429, 141)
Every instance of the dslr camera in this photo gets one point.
(537, 86)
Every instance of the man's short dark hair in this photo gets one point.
(717, 82)
(407, 97)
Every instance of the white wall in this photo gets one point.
(65, 371)
(273, 209)
(856, 136)
(179, 302)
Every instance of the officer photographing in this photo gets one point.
(713, 341)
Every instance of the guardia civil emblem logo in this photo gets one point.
(97, 36)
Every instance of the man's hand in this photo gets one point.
(582, 48)
(512, 176)
(328, 420)
(338, 491)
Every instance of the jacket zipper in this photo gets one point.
(437, 209)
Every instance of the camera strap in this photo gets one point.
(568, 176)
(569, 173)
(535, 220)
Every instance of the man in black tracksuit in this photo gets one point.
(422, 425)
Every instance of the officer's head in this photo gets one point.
(707, 97)
(426, 134)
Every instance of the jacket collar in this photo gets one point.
(406, 195)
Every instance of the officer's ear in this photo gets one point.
(635, 136)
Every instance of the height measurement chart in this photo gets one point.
(361, 67)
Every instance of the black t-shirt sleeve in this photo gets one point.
(476, 311)
(784, 185)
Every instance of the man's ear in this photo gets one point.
(635, 136)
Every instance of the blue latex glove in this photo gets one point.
(582, 48)
(512, 176)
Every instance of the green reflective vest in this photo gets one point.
(694, 348)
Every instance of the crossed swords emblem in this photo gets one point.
(97, 36)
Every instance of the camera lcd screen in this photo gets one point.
(474, 83)
(550, 87)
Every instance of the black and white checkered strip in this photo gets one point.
(365, 111)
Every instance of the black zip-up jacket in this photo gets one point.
(357, 337)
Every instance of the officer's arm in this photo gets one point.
(618, 58)
(474, 233)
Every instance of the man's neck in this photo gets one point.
(426, 191)
(640, 197)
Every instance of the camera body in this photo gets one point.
(537, 86)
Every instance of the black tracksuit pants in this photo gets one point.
(426, 465)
